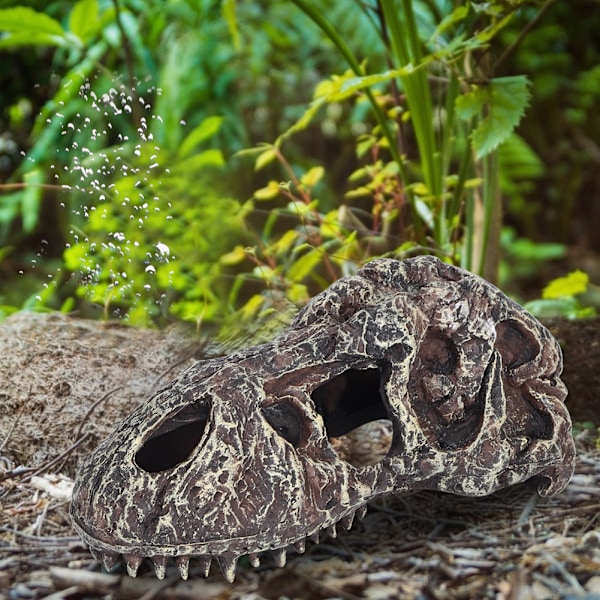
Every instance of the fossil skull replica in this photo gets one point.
(233, 457)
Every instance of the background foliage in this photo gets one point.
(192, 159)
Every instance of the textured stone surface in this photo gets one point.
(233, 457)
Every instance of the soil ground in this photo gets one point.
(64, 383)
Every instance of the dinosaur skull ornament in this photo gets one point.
(233, 457)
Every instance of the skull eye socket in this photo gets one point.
(350, 400)
(516, 345)
(175, 439)
(285, 420)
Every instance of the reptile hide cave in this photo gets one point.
(234, 456)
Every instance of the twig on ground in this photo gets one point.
(93, 408)
(43, 468)
(12, 427)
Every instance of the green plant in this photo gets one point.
(564, 297)
(440, 117)
(571, 296)
(134, 162)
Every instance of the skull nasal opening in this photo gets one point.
(348, 403)
(175, 439)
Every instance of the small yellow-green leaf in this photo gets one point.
(252, 306)
(312, 176)
(297, 293)
(236, 256)
(304, 265)
(286, 241)
(264, 158)
(572, 284)
(270, 191)
(473, 183)
(420, 189)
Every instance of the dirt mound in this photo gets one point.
(66, 381)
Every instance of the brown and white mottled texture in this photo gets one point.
(233, 457)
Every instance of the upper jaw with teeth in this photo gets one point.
(233, 457)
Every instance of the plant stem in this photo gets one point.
(317, 17)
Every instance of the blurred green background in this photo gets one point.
(204, 160)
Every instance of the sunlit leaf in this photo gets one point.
(264, 158)
(270, 191)
(33, 38)
(236, 256)
(312, 176)
(572, 284)
(25, 19)
(83, 20)
(304, 265)
(286, 241)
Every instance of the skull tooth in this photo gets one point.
(346, 522)
(331, 531)
(160, 566)
(228, 563)
(300, 546)
(183, 563)
(361, 512)
(133, 562)
(314, 537)
(109, 560)
(204, 562)
(279, 556)
(254, 560)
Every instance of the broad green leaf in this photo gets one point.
(204, 131)
(84, 19)
(501, 103)
(23, 19)
(32, 38)
(572, 284)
